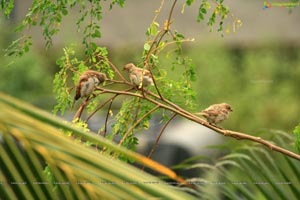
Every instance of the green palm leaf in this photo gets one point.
(31, 139)
(254, 172)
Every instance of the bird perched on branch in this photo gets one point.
(138, 76)
(216, 113)
(87, 83)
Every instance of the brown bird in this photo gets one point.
(138, 76)
(87, 83)
(216, 113)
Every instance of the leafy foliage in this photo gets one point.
(70, 65)
(49, 14)
(218, 11)
(7, 7)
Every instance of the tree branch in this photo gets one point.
(192, 117)
(243, 136)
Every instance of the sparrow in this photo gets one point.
(216, 113)
(138, 76)
(87, 83)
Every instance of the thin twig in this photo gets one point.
(159, 36)
(107, 114)
(80, 109)
(118, 92)
(102, 105)
(243, 136)
(158, 10)
(137, 123)
(116, 81)
(146, 63)
(137, 110)
(171, 13)
(158, 137)
(162, 32)
(170, 103)
(114, 68)
(155, 85)
(99, 107)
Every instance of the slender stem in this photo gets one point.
(161, 32)
(171, 13)
(99, 107)
(158, 10)
(118, 92)
(114, 68)
(81, 108)
(146, 61)
(170, 103)
(159, 36)
(116, 81)
(91, 24)
(102, 105)
(243, 136)
(137, 123)
(107, 114)
(158, 137)
(137, 110)
(155, 85)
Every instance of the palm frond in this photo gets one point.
(31, 139)
(254, 172)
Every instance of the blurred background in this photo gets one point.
(255, 69)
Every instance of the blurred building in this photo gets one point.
(123, 26)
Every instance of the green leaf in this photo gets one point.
(203, 10)
(64, 11)
(147, 47)
(96, 34)
(189, 2)
(200, 17)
